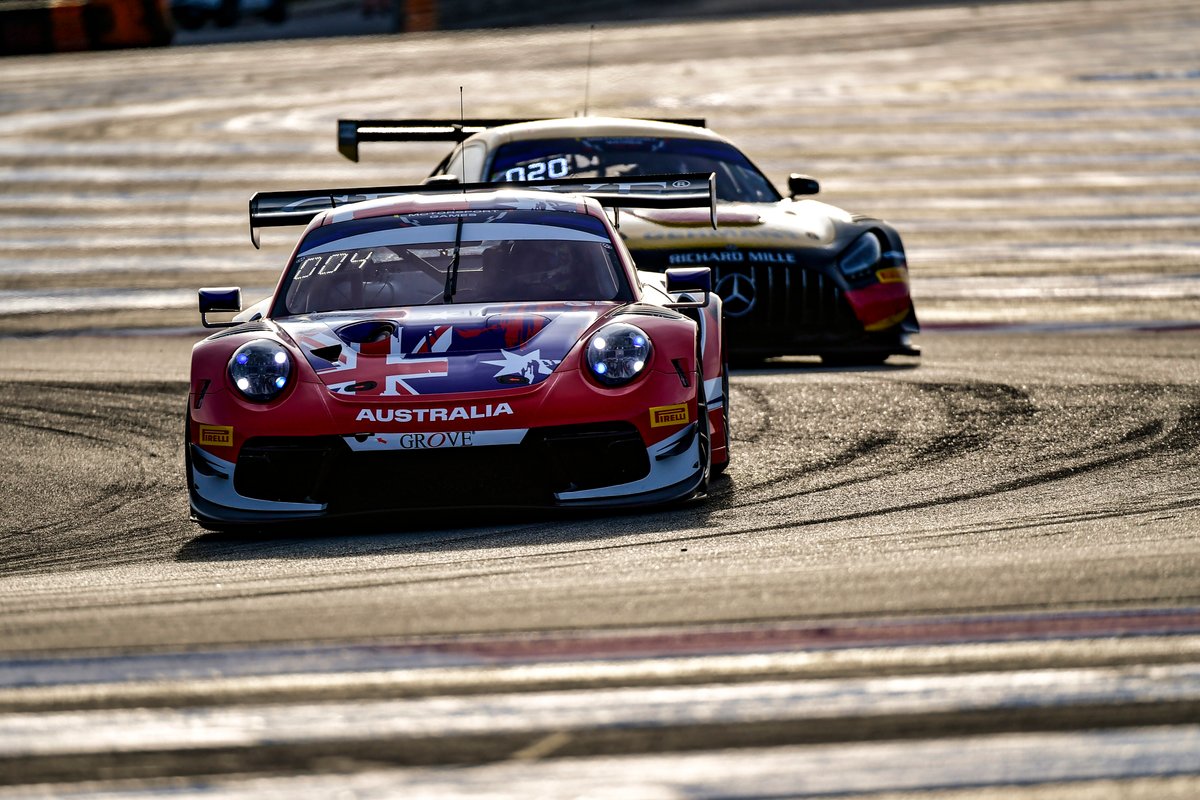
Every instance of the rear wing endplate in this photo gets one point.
(353, 131)
(686, 190)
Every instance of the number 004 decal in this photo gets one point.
(662, 416)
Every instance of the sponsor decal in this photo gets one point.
(737, 292)
(216, 435)
(892, 275)
(440, 440)
(732, 256)
(707, 256)
(427, 441)
(662, 416)
(772, 258)
(404, 415)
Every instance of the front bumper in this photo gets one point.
(286, 479)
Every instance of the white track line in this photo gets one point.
(145, 730)
(824, 770)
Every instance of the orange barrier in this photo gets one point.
(418, 15)
(47, 26)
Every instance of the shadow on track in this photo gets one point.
(798, 364)
(458, 530)
(405, 532)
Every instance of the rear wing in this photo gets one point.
(688, 190)
(353, 131)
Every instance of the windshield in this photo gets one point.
(623, 156)
(469, 256)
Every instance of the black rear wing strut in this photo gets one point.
(686, 190)
(353, 131)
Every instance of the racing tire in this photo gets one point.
(702, 432)
(717, 469)
(187, 464)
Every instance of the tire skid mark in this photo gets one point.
(380, 578)
(1048, 476)
(1187, 429)
(866, 448)
(16, 422)
(1014, 404)
(758, 401)
(1182, 436)
(109, 452)
(1049, 520)
(90, 417)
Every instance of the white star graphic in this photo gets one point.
(526, 365)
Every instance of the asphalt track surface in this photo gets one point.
(972, 575)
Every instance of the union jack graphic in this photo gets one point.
(378, 371)
(371, 378)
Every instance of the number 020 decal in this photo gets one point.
(558, 167)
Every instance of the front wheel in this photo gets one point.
(705, 437)
(718, 468)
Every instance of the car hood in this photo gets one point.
(787, 224)
(390, 353)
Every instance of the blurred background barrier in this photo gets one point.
(427, 15)
(46, 26)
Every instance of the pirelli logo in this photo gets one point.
(662, 416)
(216, 435)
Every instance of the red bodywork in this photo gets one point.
(222, 420)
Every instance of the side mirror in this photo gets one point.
(800, 185)
(440, 179)
(225, 298)
(689, 279)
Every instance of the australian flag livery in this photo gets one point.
(475, 349)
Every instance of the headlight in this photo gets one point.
(616, 354)
(260, 369)
(861, 256)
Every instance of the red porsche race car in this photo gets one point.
(455, 346)
(798, 276)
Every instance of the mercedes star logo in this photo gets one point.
(737, 290)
